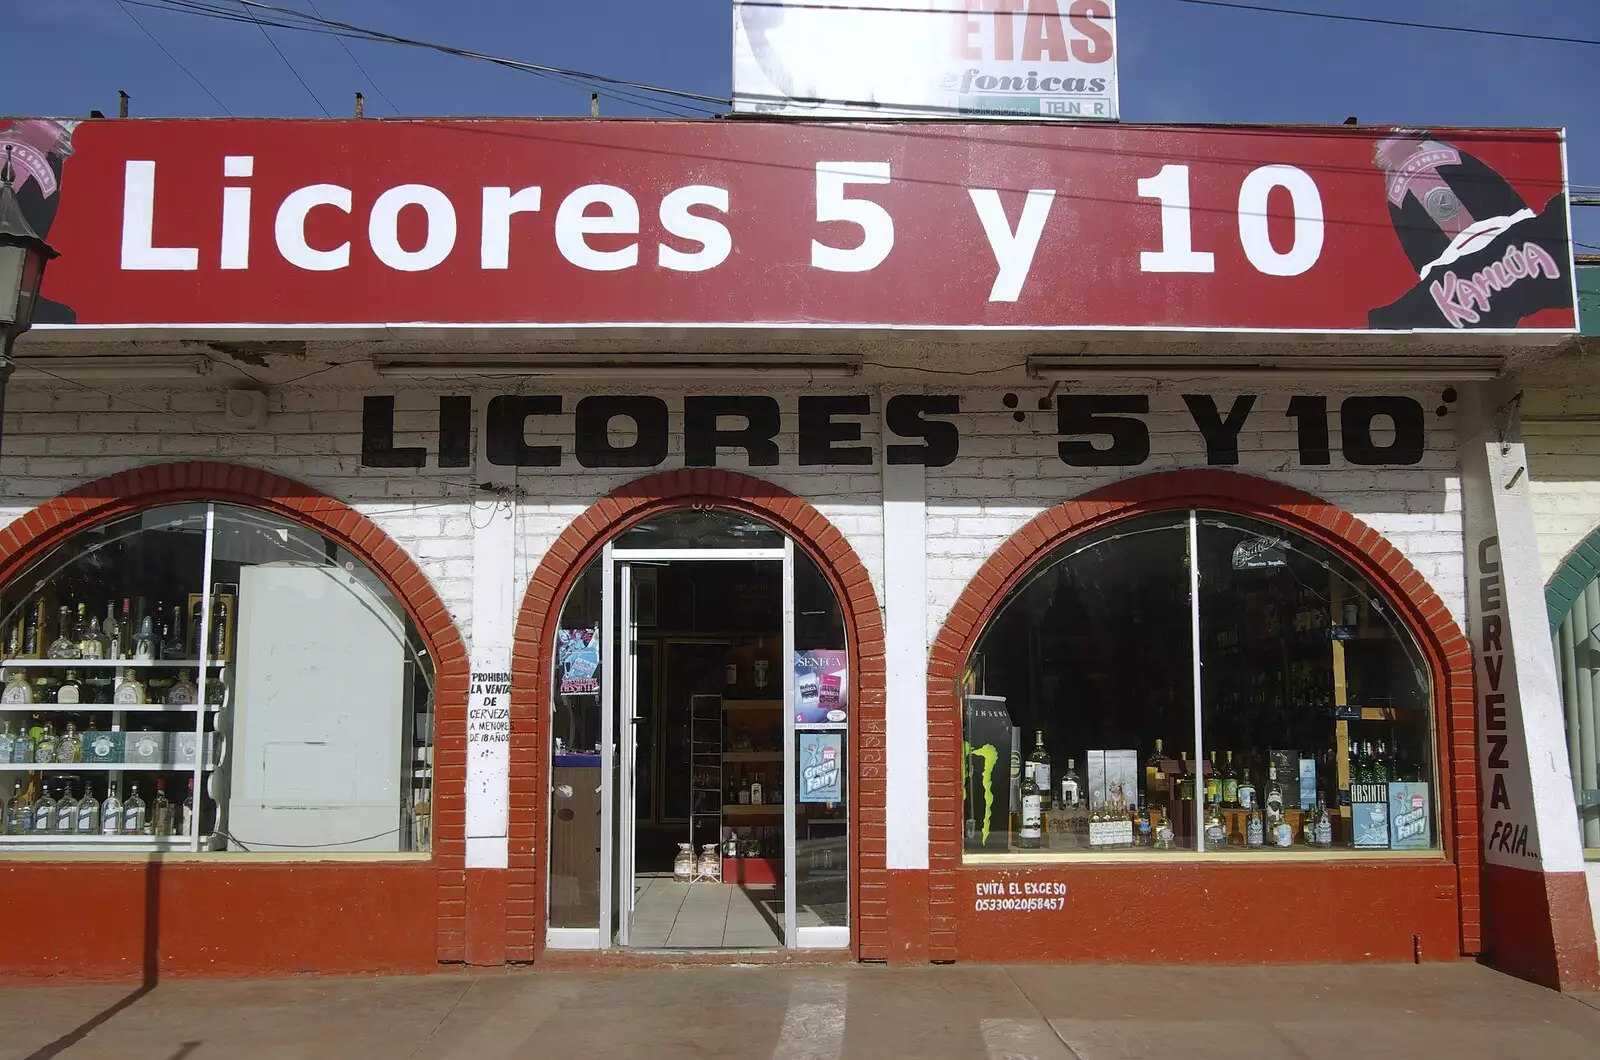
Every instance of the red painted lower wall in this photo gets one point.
(1537, 926)
(141, 921)
(1220, 913)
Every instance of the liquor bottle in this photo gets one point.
(13, 650)
(111, 631)
(1185, 780)
(44, 748)
(1216, 827)
(216, 693)
(88, 812)
(130, 691)
(1230, 784)
(1163, 832)
(5, 813)
(1072, 786)
(17, 691)
(1382, 770)
(66, 811)
(196, 617)
(111, 812)
(123, 645)
(1030, 836)
(1255, 834)
(1324, 826)
(172, 646)
(1155, 779)
(1041, 769)
(44, 813)
(744, 792)
(70, 747)
(1213, 782)
(144, 643)
(182, 692)
(186, 817)
(161, 810)
(70, 690)
(80, 633)
(19, 815)
(1143, 829)
(95, 644)
(30, 631)
(65, 646)
(133, 816)
(755, 791)
(1247, 788)
(1274, 804)
(7, 741)
(21, 747)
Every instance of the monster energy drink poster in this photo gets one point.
(986, 773)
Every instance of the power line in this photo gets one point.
(381, 93)
(174, 59)
(290, 65)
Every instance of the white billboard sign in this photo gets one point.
(1024, 59)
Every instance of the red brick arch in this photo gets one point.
(146, 487)
(1446, 649)
(564, 562)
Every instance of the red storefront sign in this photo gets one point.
(579, 223)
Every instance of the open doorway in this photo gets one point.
(702, 680)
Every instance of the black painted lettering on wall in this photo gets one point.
(941, 441)
(592, 426)
(819, 430)
(1111, 415)
(1221, 435)
(1311, 414)
(455, 432)
(377, 437)
(1357, 416)
(703, 435)
(506, 430)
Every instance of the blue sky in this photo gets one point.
(1179, 63)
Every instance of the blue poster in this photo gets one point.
(578, 661)
(821, 766)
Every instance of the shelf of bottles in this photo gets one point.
(112, 723)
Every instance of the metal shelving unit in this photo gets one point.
(705, 772)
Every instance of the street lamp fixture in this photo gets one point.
(23, 257)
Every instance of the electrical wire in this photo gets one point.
(175, 60)
(292, 70)
(370, 80)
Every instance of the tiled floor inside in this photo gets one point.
(671, 915)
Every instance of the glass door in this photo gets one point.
(628, 717)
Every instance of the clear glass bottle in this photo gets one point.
(110, 630)
(1255, 834)
(1324, 825)
(1072, 786)
(30, 631)
(133, 814)
(755, 791)
(65, 646)
(1230, 783)
(1164, 833)
(130, 691)
(1246, 790)
(44, 749)
(70, 691)
(21, 747)
(88, 812)
(19, 818)
(144, 643)
(1030, 834)
(182, 692)
(17, 691)
(111, 812)
(172, 645)
(1216, 828)
(186, 817)
(1041, 769)
(69, 748)
(6, 743)
(161, 810)
(66, 810)
(44, 813)
(123, 645)
(95, 644)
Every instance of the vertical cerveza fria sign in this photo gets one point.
(1510, 837)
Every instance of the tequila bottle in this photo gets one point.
(111, 812)
(755, 792)
(1072, 786)
(216, 693)
(144, 643)
(95, 644)
(88, 812)
(44, 813)
(66, 811)
(21, 747)
(44, 750)
(70, 690)
(6, 743)
(130, 691)
(1324, 825)
(219, 634)
(19, 818)
(30, 631)
(65, 646)
(1144, 829)
(111, 631)
(1213, 782)
(172, 646)
(161, 810)
(186, 818)
(1155, 779)
(17, 691)
(182, 692)
(1163, 830)
(123, 645)
(1278, 831)
(1246, 789)
(70, 747)
(1230, 783)
(1186, 780)
(1255, 834)
(1041, 769)
(133, 815)
(1216, 827)
(1030, 836)
(196, 614)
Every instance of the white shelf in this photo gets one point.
(99, 767)
(72, 841)
(101, 708)
(107, 664)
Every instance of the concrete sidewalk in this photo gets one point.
(1462, 1012)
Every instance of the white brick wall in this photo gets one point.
(1007, 471)
(1563, 459)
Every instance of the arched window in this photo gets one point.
(211, 677)
(1196, 680)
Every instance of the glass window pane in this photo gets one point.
(1081, 687)
(1316, 705)
(575, 762)
(700, 528)
(822, 764)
